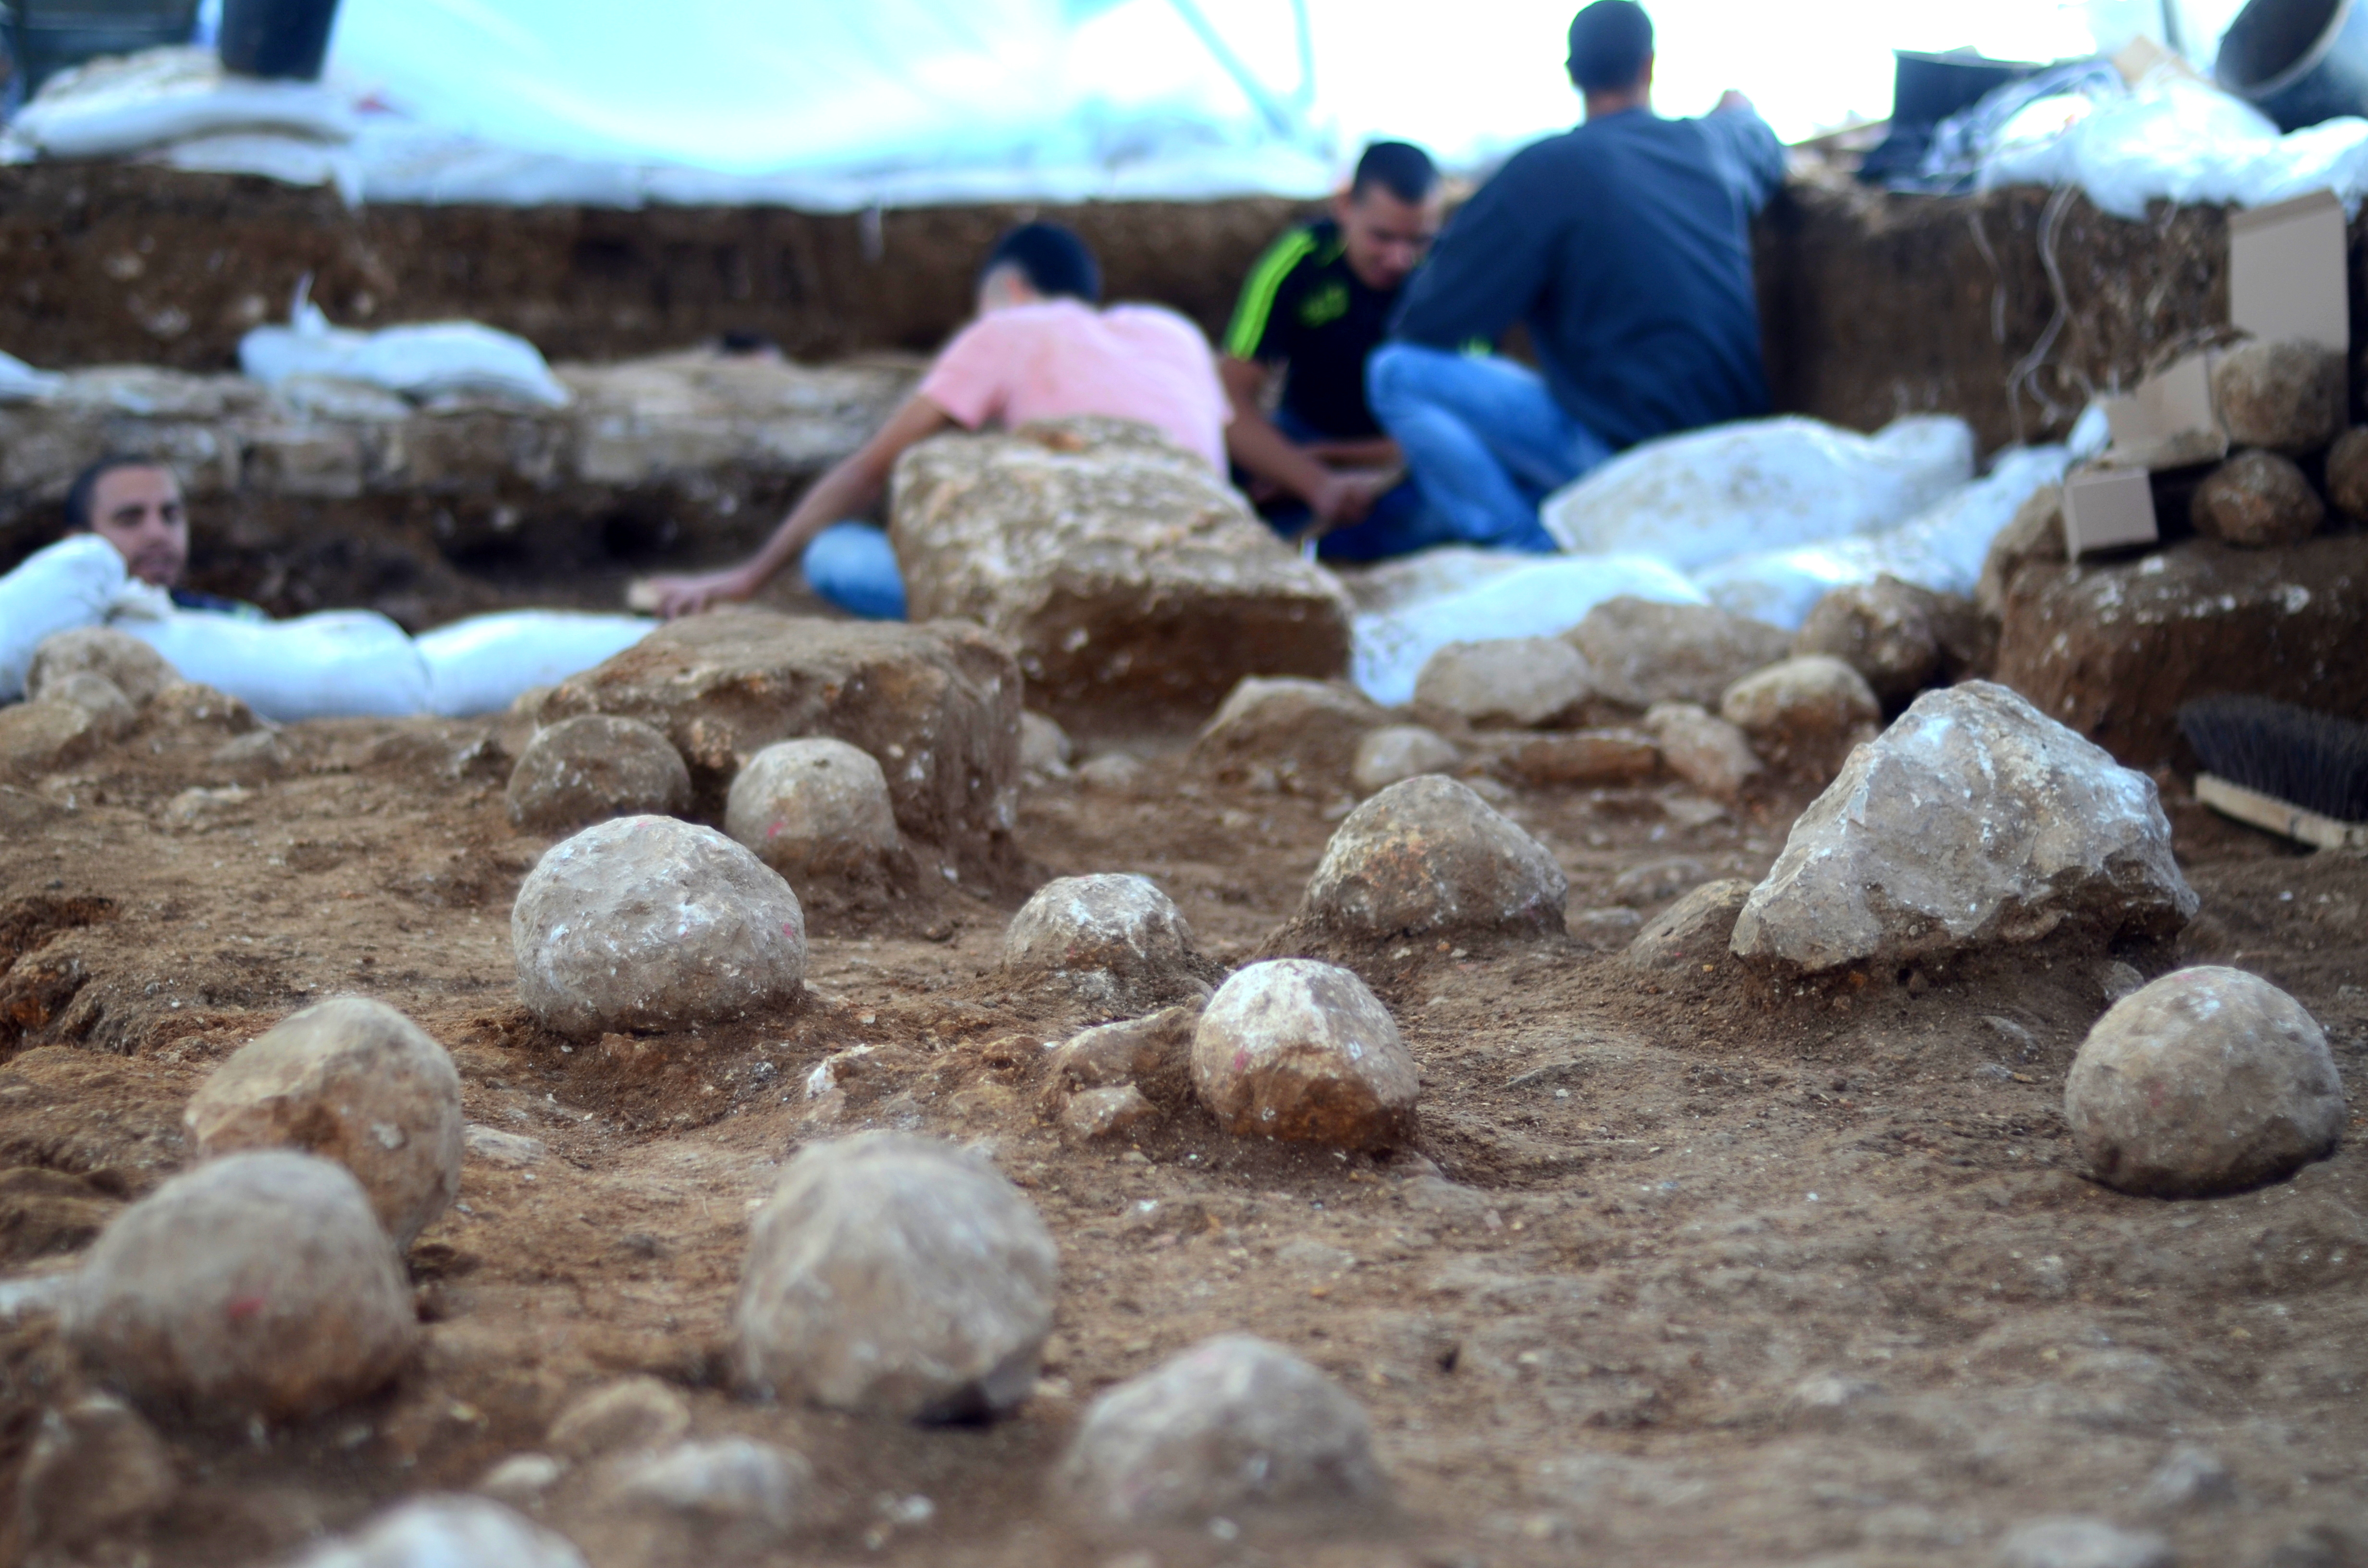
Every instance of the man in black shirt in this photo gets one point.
(1315, 306)
(1626, 248)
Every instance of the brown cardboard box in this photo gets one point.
(2168, 422)
(2107, 509)
(2285, 272)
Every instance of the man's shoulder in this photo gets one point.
(1140, 317)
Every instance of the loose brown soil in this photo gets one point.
(1694, 1273)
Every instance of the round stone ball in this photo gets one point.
(1430, 855)
(259, 1284)
(650, 923)
(1115, 940)
(897, 1275)
(1234, 1425)
(354, 1081)
(2207, 1081)
(814, 810)
(1301, 1051)
(593, 767)
(137, 670)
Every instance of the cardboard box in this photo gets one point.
(2285, 272)
(2170, 421)
(2107, 509)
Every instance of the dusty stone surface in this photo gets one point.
(188, 709)
(652, 923)
(1974, 822)
(2256, 499)
(2289, 397)
(1152, 1053)
(2113, 650)
(353, 1081)
(1045, 748)
(637, 1414)
(137, 670)
(95, 1468)
(752, 1491)
(895, 1276)
(814, 811)
(1804, 714)
(510, 1150)
(1303, 1051)
(1427, 857)
(1116, 941)
(1900, 637)
(1125, 571)
(2035, 533)
(1233, 1426)
(2207, 1081)
(1640, 653)
(1399, 752)
(454, 1531)
(1518, 683)
(42, 737)
(1582, 757)
(2347, 473)
(1710, 753)
(592, 767)
(2075, 1541)
(1692, 935)
(1093, 1116)
(1287, 732)
(937, 705)
(110, 711)
(258, 1284)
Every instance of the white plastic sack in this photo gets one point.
(483, 663)
(69, 585)
(2186, 141)
(1709, 496)
(19, 382)
(1546, 594)
(122, 104)
(433, 359)
(1941, 550)
(343, 663)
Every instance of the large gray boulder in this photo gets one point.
(1974, 822)
(1124, 570)
(2207, 1081)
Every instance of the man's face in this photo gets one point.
(138, 510)
(1387, 238)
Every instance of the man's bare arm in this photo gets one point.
(852, 487)
(1253, 441)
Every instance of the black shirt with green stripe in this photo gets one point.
(1303, 308)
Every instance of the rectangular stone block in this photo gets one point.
(1129, 576)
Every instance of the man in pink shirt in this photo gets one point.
(1039, 349)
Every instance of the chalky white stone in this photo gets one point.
(446, 1532)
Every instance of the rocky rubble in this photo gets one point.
(895, 1276)
(1128, 576)
(1974, 822)
(1804, 714)
(1899, 637)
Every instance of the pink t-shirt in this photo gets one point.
(1062, 357)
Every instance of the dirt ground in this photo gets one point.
(1689, 1273)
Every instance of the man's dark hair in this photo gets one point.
(1056, 263)
(82, 493)
(1609, 42)
(1401, 168)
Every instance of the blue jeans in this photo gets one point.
(1398, 523)
(1483, 437)
(853, 566)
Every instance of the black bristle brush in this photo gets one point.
(2284, 768)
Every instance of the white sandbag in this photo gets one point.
(19, 382)
(343, 663)
(482, 664)
(1942, 549)
(67, 586)
(1710, 496)
(1546, 595)
(429, 360)
(124, 104)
